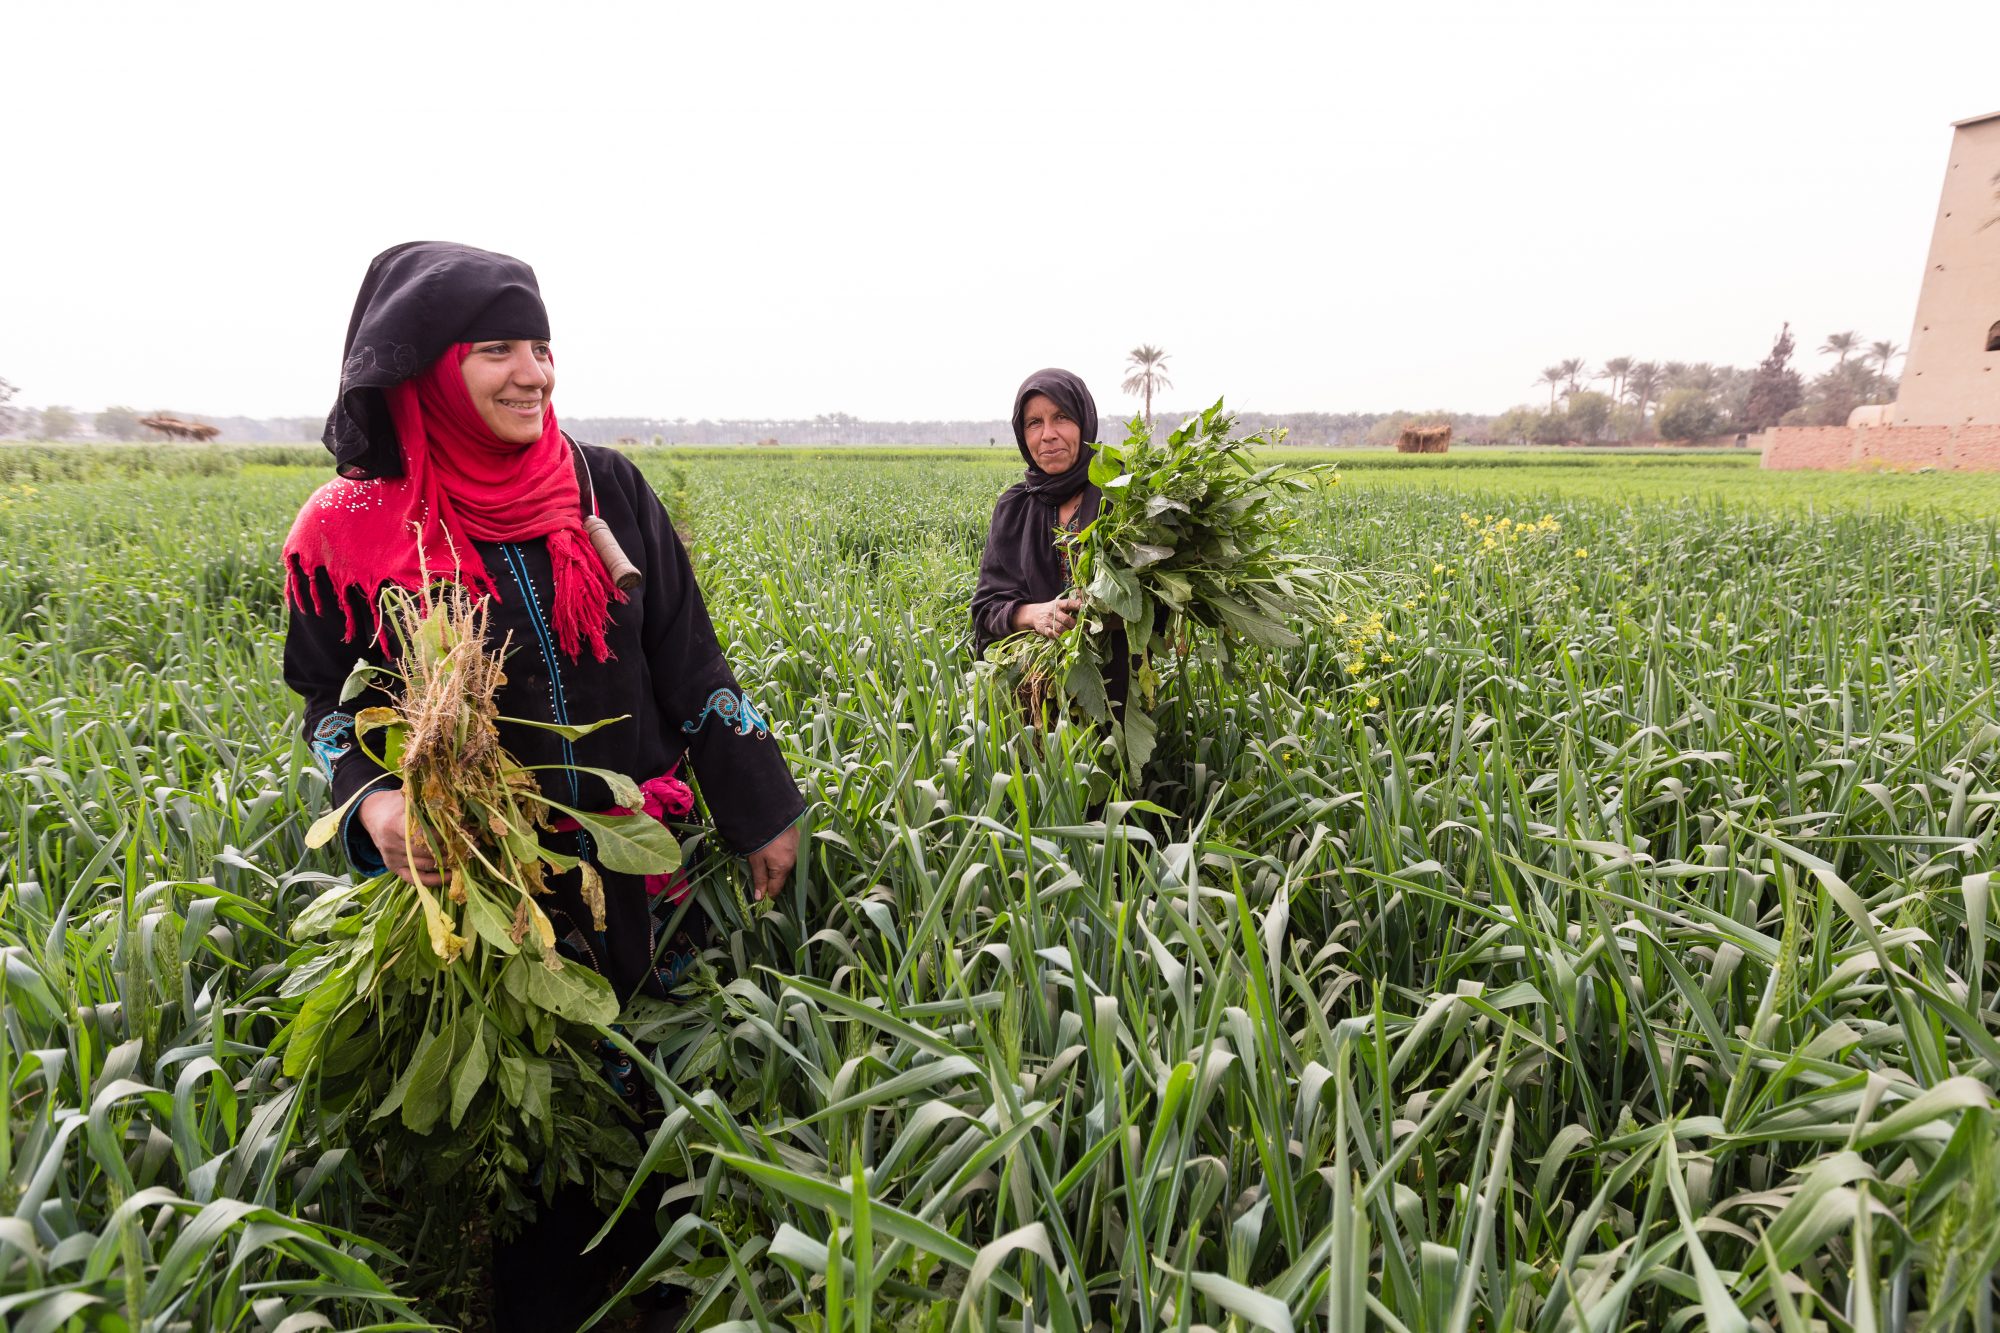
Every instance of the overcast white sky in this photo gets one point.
(897, 210)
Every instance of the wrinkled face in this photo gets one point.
(511, 382)
(1053, 439)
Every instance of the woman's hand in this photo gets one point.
(382, 815)
(771, 865)
(1048, 619)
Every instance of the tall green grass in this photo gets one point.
(1617, 954)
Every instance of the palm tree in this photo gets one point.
(1882, 353)
(1841, 345)
(1148, 365)
(1552, 376)
(1701, 376)
(1615, 370)
(1573, 369)
(1643, 383)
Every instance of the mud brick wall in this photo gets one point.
(1949, 448)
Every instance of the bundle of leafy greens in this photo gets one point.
(1192, 535)
(441, 1031)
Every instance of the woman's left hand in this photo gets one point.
(771, 865)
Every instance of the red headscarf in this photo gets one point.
(461, 483)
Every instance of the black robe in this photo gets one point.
(1022, 563)
(666, 674)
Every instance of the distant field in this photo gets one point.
(1624, 476)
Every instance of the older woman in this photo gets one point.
(1025, 581)
(451, 465)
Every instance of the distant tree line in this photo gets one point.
(1684, 401)
(1640, 401)
(1302, 428)
(57, 422)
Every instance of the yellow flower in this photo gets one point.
(1387, 658)
(1411, 604)
(1340, 619)
(1582, 553)
(1437, 569)
(1373, 701)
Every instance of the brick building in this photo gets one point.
(1947, 413)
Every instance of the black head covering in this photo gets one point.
(1069, 393)
(417, 300)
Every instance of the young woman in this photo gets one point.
(452, 466)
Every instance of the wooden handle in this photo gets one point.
(623, 572)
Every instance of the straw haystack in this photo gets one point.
(174, 428)
(1424, 439)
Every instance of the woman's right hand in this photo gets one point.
(381, 814)
(1048, 619)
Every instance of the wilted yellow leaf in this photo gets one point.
(445, 942)
(593, 893)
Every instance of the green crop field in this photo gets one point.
(1592, 930)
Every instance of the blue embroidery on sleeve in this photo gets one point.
(735, 709)
(332, 739)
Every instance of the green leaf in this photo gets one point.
(572, 991)
(307, 1032)
(489, 921)
(1260, 1310)
(1140, 735)
(328, 824)
(1085, 684)
(1118, 589)
(427, 1096)
(1251, 624)
(321, 913)
(513, 1079)
(357, 680)
(1172, 588)
(823, 1195)
(470, 1076)
(624, 791)
(535, 1089)
(574, 731)
(392, 1101)
(629, 844)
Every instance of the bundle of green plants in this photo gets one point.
(1193, 535)
(442, 1030)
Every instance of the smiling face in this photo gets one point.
(1053, 439)
(511, 382)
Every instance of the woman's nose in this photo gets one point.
(529, 370)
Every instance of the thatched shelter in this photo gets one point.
(173, 428)
(1424, 439)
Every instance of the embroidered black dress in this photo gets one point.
(666, 676)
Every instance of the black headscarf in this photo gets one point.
(417, 300)
(1069, 393)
